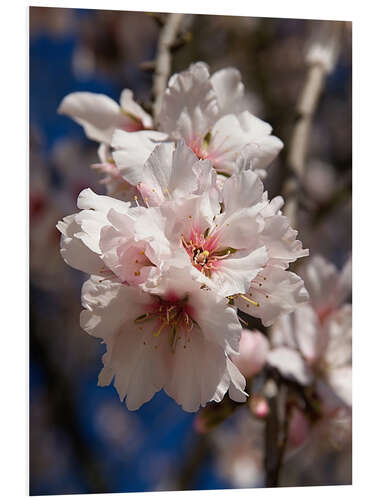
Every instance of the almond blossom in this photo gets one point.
(182, 259)
(100, 115)
(178, 339)
(236, 238)
(314, 343)
(209, 114)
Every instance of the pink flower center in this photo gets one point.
(198, 147)
(204, 251)
(173, 316)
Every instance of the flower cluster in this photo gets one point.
(185, 238)
(314, 345)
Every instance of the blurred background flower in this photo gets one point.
(82, 439)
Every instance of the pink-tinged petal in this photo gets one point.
(217, 321)
(229, 90)
(253, 348)
(130, 106)
(192, 215)
(98, 114)
(290, 364)
(189, 104)
(280, 293)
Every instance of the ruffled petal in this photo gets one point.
(189, 104)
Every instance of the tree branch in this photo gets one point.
(320, 58)
(276, 431)
(168, 36)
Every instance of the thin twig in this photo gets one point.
(320, 60)
(168, 36)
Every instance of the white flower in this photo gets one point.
(315, 342)
(80, 233)
(236, 237)
(169, 172)
(177, 339)
(100, 115)
(111, 239)
(208, 114)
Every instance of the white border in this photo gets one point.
(14, 235)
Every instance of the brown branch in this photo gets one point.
(276, 431)
(163, 61)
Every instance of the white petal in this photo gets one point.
(74, 251)
(309, 336)
(237, 383)
(241, 191)
(238, 270)
(280, 293)
(340, 381)
(320, 277)
(232, 133)
(280, 240)
(97, 113)
(141, 364)
(189, 104)
(338, 329)
(128, 104)
(290, 364)
(197, 372)
(229, 90)
(132, 150)
(88, 200)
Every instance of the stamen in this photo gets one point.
(253, 302)
(163, 325)
(243, 321)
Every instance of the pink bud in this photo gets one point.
(259, 406)
(200, 425)
(253, 349)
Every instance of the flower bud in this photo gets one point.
(253, 350)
